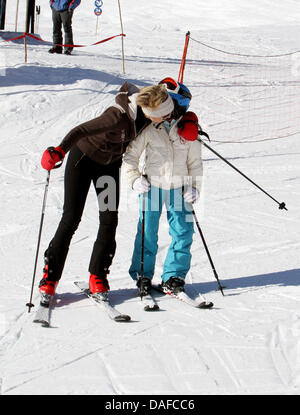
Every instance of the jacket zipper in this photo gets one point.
(77, 162)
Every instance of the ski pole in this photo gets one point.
(37, 17)
(205, 246)
(207, 252)
(143, 243)
(30, 305)
(281, 205)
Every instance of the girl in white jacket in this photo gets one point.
(171, 175)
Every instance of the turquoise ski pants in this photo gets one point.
(181, 229)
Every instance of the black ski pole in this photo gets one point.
(207, 251)
(143, 245)
(30, 305)
(281, 205)
(205, 246)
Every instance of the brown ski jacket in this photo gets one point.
(105, 138)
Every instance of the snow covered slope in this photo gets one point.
(250, 342)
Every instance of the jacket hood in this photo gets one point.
(126, 99)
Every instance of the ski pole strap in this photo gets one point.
(201, 132)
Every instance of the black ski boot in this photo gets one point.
(144, 285)
(55, 49)
(174, 285)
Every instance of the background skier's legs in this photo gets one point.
(57, 30)
(66, 18)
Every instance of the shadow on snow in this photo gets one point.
(282, 278)
(47, 75)
(118, 296)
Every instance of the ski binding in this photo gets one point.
(102, 302)
(183, 296)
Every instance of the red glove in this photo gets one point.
(188, 126)
(51, 157)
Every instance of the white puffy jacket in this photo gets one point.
(170, 161)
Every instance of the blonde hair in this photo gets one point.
(152, 96)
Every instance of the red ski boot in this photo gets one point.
(99, 286)
(46, 286)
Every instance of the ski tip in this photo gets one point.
(155, 307)
(205, 304)
(122, 318)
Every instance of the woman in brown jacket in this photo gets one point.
(96, 150)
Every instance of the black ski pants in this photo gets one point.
(64, 19)
(80, 171)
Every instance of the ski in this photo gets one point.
(148, 303)
(43, 313)
(104, 304)
(183, 296)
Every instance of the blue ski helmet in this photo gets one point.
(180, 94)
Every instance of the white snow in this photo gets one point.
(250, 342)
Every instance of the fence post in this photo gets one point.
(182, 66)
(25, 47)
(17, 15)
(123, 63)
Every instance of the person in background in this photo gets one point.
(62, 13)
